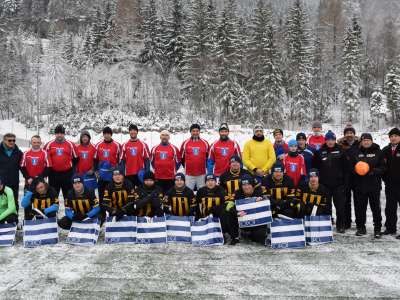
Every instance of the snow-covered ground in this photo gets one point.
(351, 267)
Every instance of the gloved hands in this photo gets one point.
(69, 213)
(166, 210)
(51, 209)
(93, 212)
(229, 206)
(26, 200)
(78, 217)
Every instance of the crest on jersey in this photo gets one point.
(106, 153)
(133, 151)
(293, 167)
(196, 151)
(34, 161)
(59, 151)
(317, 146)
(163, 155)
(224, 151)
(84, 154)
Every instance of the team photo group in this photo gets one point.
(201, 192)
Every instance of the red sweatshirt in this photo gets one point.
(295, 167)
(194, 156)
(108, 151)
(60, 155)
(316, 141)
(86, 155)
(221, 153)
(164, 159)
(134, 153)
(35, 162)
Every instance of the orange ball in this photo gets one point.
(362, 168)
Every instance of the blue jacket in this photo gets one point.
(308, 154)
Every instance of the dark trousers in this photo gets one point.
(13, 218)
(101, 185)
(347, 205)
(61, 181)
(361, 203)
(165, 184)
(229, 222)
(153, 201)
(15, 190)
(337, 194)
(134, 179)
(65, 223)
(256, 234)
(392, 200)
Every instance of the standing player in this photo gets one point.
(62, 156)
(135, 156)
(165, 159)
(107, 156)
(221, 152)
(86, 153)
(316, 139)
(34, 162)
(294, 164)
(194, 153)
(280, 146)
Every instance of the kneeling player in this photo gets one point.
(8, 211)
(42, 200)
(149, 197)
(81, 203)
(249, 189)
(279, 187)
(180, 200)
(314, 196)
(118, 197)
(230, 180)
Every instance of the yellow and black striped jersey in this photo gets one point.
(81, 203)
(318, 197)
(207, 199)
(279, 190)
(43, 201)
(117, 196)
(143, 192)
(231, 182)
(180, 201)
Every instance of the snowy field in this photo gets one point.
(351, 267)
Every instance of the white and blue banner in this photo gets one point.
(318, 229)
(40, 232)
(287, 234)
(84, 233)
(178, 229)
(123, 231)
(207, 232)
(256, 213)
(151, 230)
(7, 234)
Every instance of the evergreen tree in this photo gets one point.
(351, 74)
(392, 91)
(377, 105)
(299, 60)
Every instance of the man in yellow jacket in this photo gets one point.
(258, 153)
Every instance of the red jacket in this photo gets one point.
(316, 141)
(221, 153)
(60, 155)
(194, 156)
(108, 151)
(165, 159)
(134, 153)
(35, 162)
(295, 167)
(86, 154)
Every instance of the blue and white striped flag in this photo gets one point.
(84, 233)
(287, 233)
(40, 232)
(151, 230)
(318, 229)
(122, 231)
(207, 232)
(178, 229)
(7, 234)
(256, 212)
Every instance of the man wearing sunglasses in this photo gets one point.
(10, 158)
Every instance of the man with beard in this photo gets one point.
(230, 180)
(180, 200)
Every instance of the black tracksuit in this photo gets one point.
(368, 187)
(333, 167)
(392, 185)
(9, 169)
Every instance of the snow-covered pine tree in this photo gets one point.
(351, 75)
(9, 8)
(232, 96)
(265, 82)
(392, 91)
(377, 106)
(299, 59)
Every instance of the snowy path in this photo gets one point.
(351, 267)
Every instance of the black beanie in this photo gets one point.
(194, 126)
(59, 129)
(366, 136)
(148, 175)
(301, 136)
(349, 127)
(394, 131)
